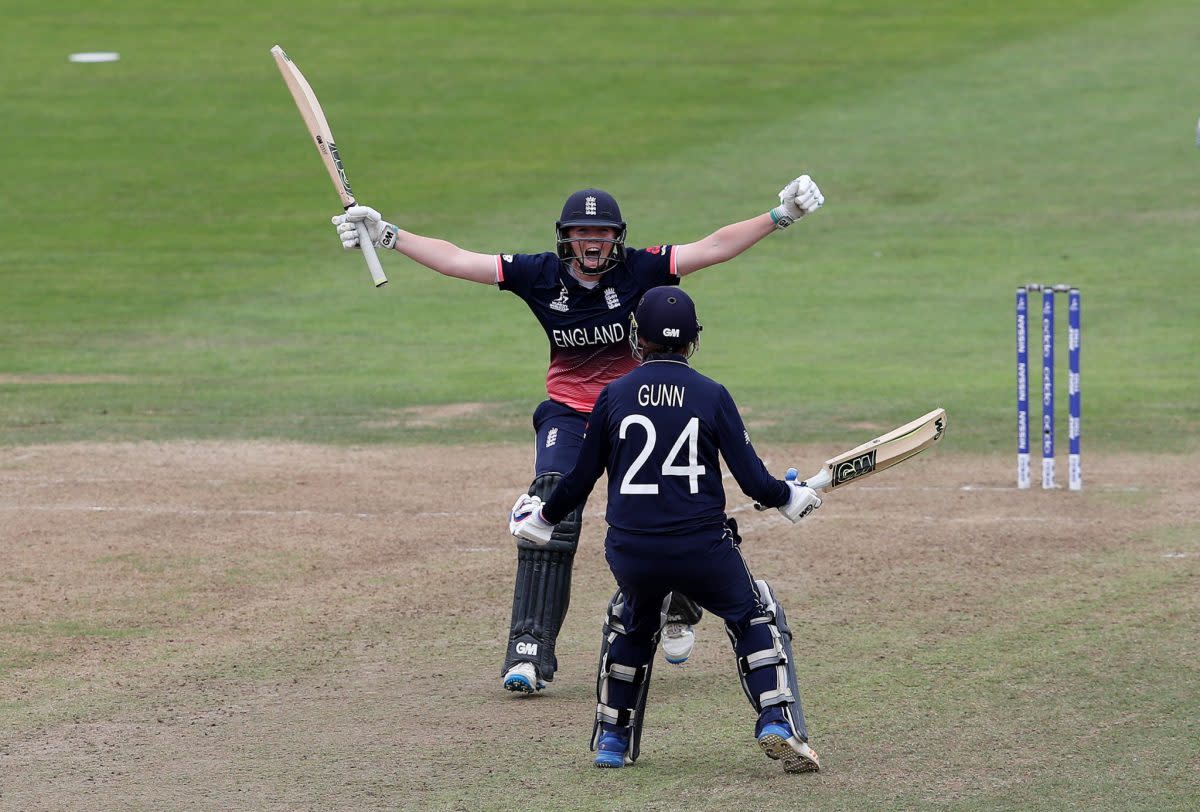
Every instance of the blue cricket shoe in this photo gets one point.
(778, 742)
(611, 750)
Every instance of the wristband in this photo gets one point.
(388, 238)
(781, 218)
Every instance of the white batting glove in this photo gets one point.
(382, 233)
(802, 500)
(526, 522)
(800, 197)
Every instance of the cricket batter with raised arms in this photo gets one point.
(582, 294)
(658, 432)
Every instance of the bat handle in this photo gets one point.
(819, 481)
(368, 249)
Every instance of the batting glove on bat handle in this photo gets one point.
(802, 500)
(800, 197)
(359, 219)
(789, 477)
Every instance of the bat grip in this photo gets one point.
(820, 480)
(368, 249)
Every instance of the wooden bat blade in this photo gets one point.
(318, 128)
(882, 453)
(314, 119)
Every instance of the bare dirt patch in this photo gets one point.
(280, 626)
(435, 416)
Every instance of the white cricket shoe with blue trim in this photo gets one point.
(677, 642)
(523, 678)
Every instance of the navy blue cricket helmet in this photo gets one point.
(591, 207)
(666, 316)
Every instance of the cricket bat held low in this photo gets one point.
(881, 453)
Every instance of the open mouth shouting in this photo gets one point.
(593, 257)
(591, 250)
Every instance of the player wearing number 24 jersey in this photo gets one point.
(670, 423)
(660, 432)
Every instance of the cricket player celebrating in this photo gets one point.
(658, 431)
(582, 294)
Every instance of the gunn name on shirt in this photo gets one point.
(660, 394)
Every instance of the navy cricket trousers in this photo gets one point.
(710, 570)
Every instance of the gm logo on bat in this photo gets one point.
(851, 469)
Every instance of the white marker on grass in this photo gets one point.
(94, 56)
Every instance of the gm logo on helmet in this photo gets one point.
(670, 332)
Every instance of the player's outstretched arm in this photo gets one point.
(794, 500)
(444, 257)
(798, 198)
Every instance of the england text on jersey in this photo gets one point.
(587, 327)
(587, 336)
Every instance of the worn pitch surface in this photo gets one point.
(224, 625)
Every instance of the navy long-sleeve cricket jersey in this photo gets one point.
(588, 328)
(658, 431)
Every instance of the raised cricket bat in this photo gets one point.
(881, 453)
(318, 127)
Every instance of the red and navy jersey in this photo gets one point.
(658, 432)
(588, 328)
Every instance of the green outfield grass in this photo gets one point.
(166, 217)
